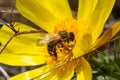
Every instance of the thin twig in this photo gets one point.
(4, 23)
(30, 32)
(12, 7)
(91, 53)
(4, 73)
(56, 67)
(12, 17)
(4, 46)
(9, 25)
(20, 33)
(113, 49)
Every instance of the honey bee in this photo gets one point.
(62, 38)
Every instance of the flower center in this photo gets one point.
(61, 45)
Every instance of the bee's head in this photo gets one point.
(63, 34)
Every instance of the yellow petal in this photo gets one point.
(21, 60)
(30, 74)
(83, 43)
(22, 50)
(84, 71)
(44, 13)
(86, 8)
(91, 20)
(93, 14)
(63, 73)
(99, 17)
(109, 33)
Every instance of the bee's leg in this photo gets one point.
(55, 53)
(50, 52)
(50, 48)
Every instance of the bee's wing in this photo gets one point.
(46, 38)
(43, 38)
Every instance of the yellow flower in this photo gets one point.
(81, 36)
